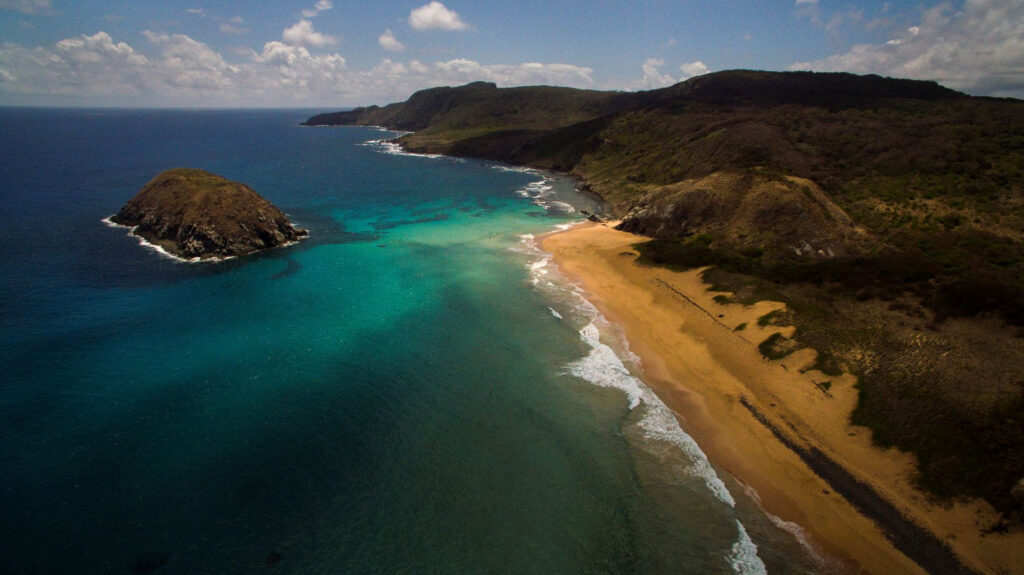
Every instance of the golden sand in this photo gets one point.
(701, 365)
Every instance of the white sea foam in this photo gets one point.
(156, 248)
(744, 559)
(542, 192)
(562, 207)
(606, 366)
(166, 254)
(554, 313)
(603, 368)
(389, 146)
(822, 560)
(516, 169)
(538, 270)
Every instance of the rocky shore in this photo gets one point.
(194, 214)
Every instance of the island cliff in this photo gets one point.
(195, 214)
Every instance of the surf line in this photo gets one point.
(602, 366)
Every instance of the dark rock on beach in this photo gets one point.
(196, 214)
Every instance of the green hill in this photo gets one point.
(888, 213)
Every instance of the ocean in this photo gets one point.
(413, 389)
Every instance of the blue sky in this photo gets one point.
(317, 53)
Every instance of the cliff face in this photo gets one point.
(196, 214)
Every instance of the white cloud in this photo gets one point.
(388, 41)
(99, 47)
(196, 11)
(809, 9)
(979, 49)
(319, 7)
(290, 74)
(435, 16)
(653, 78)
(27, 6)
(93, 64)
(96, 70)
(302, 34)
(190, 64)
(691, 69)
(233, 28)
(461, 70)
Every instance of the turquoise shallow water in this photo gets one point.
(413, 389)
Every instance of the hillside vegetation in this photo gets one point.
(888, 213)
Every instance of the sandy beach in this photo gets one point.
(775, 427)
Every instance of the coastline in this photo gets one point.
(160, 250)
(165, 253)
(773, 426)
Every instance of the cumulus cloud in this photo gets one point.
(317, 8)
(388, 41)
(435, 16)
(652, 77)
(97, 70)
(302, 34)
(27, 6)
(189, 64)
(979, 49)
(234, 26)
(691, 69)
(461, 70)
(95, 64)
(99, 47)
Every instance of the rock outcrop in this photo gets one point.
(195, 214)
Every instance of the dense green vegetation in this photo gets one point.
(953, 274)
(931, 180)
(967, 432)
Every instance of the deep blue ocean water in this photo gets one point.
(413, 389)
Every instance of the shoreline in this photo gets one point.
(774, 427)
(395, 146)
(166, 254)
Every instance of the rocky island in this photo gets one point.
(194, 214)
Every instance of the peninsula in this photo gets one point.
(194, 214)
(857, 361)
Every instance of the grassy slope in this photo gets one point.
(934, 178)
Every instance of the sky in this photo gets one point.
(342, 53)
